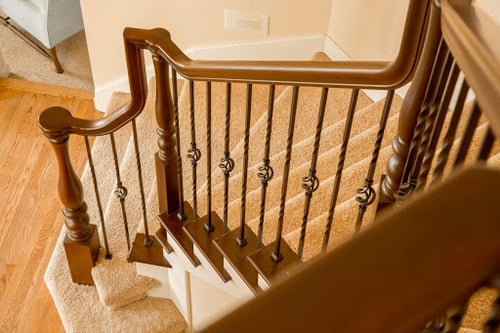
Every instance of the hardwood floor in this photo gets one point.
(30, 218)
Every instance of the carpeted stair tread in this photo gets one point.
(237, 123)
(305, 125)
(358, 159)
(364, 120)
(358, 156)
(131, 286)
(119, 285)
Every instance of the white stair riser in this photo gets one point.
(209, 303)
(210, 276)
(158, 273)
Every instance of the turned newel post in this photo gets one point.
(168, 173)
(410, 110)
(81, 243)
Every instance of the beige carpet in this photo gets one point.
(118, 302)
(115, 291)
(28, 64)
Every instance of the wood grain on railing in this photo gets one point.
(349, 74)
(472, 36)
(397, 275)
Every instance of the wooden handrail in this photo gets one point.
(472, 36)
(348, 74)
(407, 269)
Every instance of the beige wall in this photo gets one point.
(368, 29)
(105, 20)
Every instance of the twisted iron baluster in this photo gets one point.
(436, 121)
(408, 180)
(266, 171)
(276, 255)
(194, 153)
(311, 182)
(147, 240)
(367, 195)
(181, 214)
(340, 168)
(241, 240)
(98, 198)
(226, 162)
(467, 136)
(450, 134)
(120, 191)
(442, 70)
(209, 226)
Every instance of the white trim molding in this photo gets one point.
(289, 48)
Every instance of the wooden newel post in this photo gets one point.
(410, 110)
(81, 243)
(167, 170)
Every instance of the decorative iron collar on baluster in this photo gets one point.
(367, 195)
(311, 183)
(226, 164)
(266, 172)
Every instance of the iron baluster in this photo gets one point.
(226, 162)
(440, 74)
(408, 180)
(265, 170)
(147, 240)
(467, 136)
(450, 133)
(486, 145)
(209, 226)
(366, 194)
(340, 168)
(311, 182)
(194, 153)
(241, 240)
(436, 119)
(276, 255)
(120, 190)
(181, 214)
(108, 254)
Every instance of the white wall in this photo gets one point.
(191, 22)
(368, 29)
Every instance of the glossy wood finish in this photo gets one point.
(268, 269)
(31, 219)
(365, 285)
(410, 111)
(152, 255)
(161, 236)
(237, 256)
(348, 74)
(82, 240)
(472, 36)
(175, 232)
(204, 241)
(166, 157)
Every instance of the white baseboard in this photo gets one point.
(290, 48)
